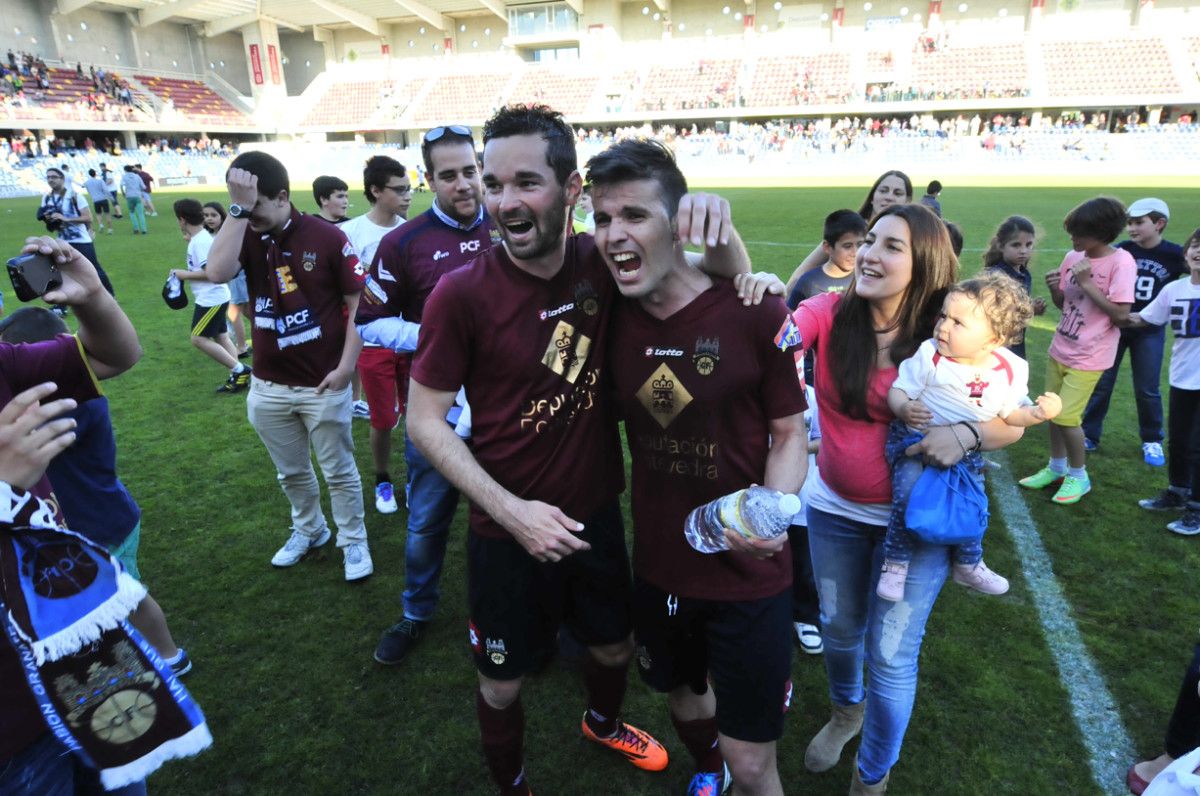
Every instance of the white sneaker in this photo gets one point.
(809, 638)
(297, 547)
(358, 561)
(385, 499)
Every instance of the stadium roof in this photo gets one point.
(221, 16)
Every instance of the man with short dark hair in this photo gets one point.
(407, 266)
(303, 277)
(98, 193)
(705, 369)
(523, 328)
(67, 216)
(382, 372)
(331, 197)
(148, 187)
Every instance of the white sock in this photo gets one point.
(1078, 472)
(239, 368)
(1059, 465)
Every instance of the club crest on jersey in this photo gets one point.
(567, 351)
(309, 259)
(663, 395)
(585, 297)
(707, 354)
(494, 234)
(496, 651)
(643, 657)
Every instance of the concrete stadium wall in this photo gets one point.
(304, 59)
(96, 37)
(228, 47)
(168, 45)
(24, 27)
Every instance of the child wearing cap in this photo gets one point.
(1159, 262)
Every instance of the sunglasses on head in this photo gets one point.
(438, 132)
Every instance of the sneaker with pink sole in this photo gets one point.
(891, 580)
(980, 578)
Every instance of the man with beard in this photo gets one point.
(408, 264)
(524, 328)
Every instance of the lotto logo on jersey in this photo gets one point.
(473, 636)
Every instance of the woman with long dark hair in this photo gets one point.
(901, 277)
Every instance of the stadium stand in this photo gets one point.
(466, 96)
(569, 90)
(357, 104)
(193, 100)
(790, 80)
(1121, 66)
(698, 84)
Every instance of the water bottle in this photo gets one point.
(757, 512)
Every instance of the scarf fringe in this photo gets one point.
(106, 616)
(189, 744)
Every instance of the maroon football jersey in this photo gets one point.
(698, 391)
(319, 262)
(530, 353)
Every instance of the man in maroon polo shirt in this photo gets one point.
(523, 329)
(303, 279)
(711, 406)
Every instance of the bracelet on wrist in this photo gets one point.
(978, 439)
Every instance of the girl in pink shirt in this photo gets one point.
(1094, 289)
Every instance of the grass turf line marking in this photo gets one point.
(1109, 747)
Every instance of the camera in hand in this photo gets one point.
(33, 275)
(52, 224)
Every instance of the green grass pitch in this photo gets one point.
(283, 657)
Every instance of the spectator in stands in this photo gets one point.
(892, 188)
(146, 181)
(382, 372)
(930, 199)
(132, 186)
(239, 298)
(1159, 262)
(332, 199)
(98, 193)
(66, 214)
(903, 272)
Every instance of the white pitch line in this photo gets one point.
(1109, 748)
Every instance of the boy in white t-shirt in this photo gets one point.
(1179, 305)
(960, 376)
(209, 331)
(384, 372)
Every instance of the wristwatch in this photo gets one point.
(237, 211)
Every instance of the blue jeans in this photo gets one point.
(859, 626)
(431, 503)
(900, 542)
(1145, 348)
(46, 768)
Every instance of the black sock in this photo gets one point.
(382, 478)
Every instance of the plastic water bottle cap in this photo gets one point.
(789, 505)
